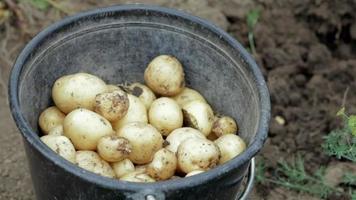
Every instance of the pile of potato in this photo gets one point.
(126, 132)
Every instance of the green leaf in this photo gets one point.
(352, 124)
(252, 18)
(341, 112)
(41, 4)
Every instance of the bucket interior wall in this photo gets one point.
(118, 48)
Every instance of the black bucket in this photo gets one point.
(116, 44)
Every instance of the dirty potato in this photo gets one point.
(144, 93)
(50, 118)
(61, 145)
(91, 161)
(112, 105)
(198, 115)
(138, 177)
(113, 148)
(188, 95)
(163, 165)
(230, 146)
(179, 135)
(224, 125)
(123, 167)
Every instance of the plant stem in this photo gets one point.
(252, 42)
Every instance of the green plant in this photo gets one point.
(45, 4)
(252, 19)
(349, 179)
(342, 142)
(40, 4)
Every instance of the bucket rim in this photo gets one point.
(34, 140)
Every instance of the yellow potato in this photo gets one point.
(199, 115)
(197, 154)
(84, 128)
(137, 177)
(50, 118)
(224, 125)
(112, 105)
(144, 139)
(165, 75)
(111, 88)
(123, 167)
(179, 135)
(77, 91)
(188, 95)
(230, 146)
(136, 113)
(113, 148)
(163, 165)
(165, 115)
(58, 130)
(91, 161)
(61, 145)
(143, 92)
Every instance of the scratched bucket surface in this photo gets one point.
(116, 44)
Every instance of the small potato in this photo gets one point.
(61, 145)
(58, 130)
(84, 128)
(165, 75)
(112, 105)
(166, 115)
(192, 173)
(224, 125)
(145, 141)
(77, 91)
(143, 93)
(91, 161)
(197, 154)
(230, 146)
(199, 115)
(179, 135)
(163, 165)
(113, 148)
(112, 88)
(136, 113)
(123, 167)
(50, 118)
(137, 177)
(141, 168)
(188, 95)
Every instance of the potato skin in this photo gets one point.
(58, 130)
(197, 154)
(165, 115)
(91, 161)
(143, 92)
(84, 128)
(163, 165)
(179, 135)
(113, 148)
(230, 146)
(224, 125)
(111, 88)
(123, 167)
(165, 75)
(198, 115)
(145, 141)
(188, 95)
(50, 118)
(136, 113)
(77, 91)
(138, 177)
(112, 105)
(61, 145)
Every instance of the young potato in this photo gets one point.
(77, 91)
(199, 115)
(91, 161)
(163, 165)
(179, 135)
(144, 139)
(113, 148)
(230, 146)
(166, 115)
(143, 93)
(50, 118)
(61, 145)
(188, 95)
(224, 125)
(165, 75)
(84, 128)
(112, 105)
(58, 130)
(123, 167)
(197, 154)
(136, 113)
(137, 177)
(195, 172)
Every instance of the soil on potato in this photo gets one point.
(306, 50)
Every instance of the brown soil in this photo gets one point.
(306, 50)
